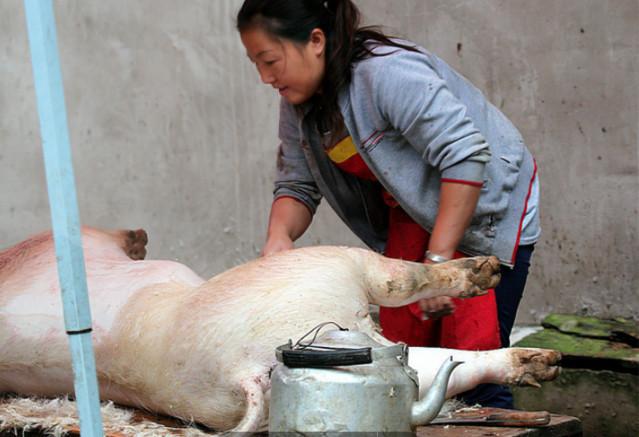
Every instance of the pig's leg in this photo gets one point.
(255, 414)
(513, 366)
(391, 282)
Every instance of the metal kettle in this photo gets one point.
(347, 382)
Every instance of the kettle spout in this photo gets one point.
(427, 408)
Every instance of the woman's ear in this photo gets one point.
(317, 41)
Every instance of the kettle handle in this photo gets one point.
(328, 358)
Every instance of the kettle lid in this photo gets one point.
(337, 347)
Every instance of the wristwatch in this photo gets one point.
(433, 257)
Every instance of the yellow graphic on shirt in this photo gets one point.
(342, 151)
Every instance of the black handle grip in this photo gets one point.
(315, 358)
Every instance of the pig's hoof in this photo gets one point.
(532, 366)
(135, 244)
(478, 274)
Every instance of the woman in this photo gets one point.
(410, 155)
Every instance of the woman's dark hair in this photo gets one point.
(346, 42)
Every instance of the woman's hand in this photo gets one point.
(436, 307)
(277, 244)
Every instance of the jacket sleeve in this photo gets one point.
(412, 98)
(293, 177)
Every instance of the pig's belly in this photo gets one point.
(34, 351)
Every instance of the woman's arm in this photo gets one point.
(289, 219)
(457, 202)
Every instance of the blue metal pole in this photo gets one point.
(64, 210)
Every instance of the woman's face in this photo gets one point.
(295, 70)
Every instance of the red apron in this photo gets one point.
(472, 326)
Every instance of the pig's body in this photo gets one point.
(170, 342)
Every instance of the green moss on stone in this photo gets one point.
(592, 326)
(580, 346)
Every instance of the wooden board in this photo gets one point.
(559, 426)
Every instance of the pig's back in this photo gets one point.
(34, 355)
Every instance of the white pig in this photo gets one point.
(170, 342)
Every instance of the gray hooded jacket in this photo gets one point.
(415, 122)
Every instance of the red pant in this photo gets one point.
(472, 326)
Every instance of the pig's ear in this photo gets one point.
(135, 244)
(256, 414)
(113, 244)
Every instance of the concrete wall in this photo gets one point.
(172, 131)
